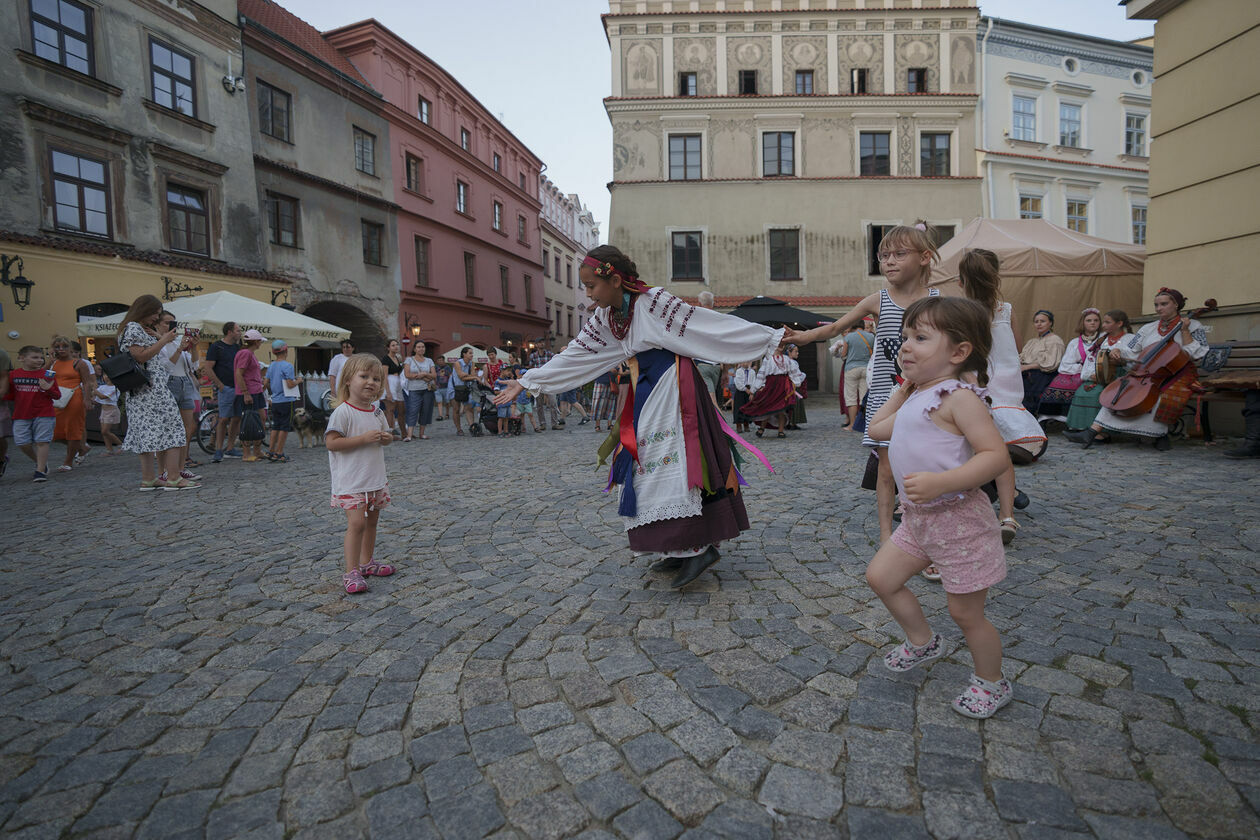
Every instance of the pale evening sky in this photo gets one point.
(543, 67)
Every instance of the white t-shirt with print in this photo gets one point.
(359, 470)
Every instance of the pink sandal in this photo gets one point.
(981, 699)
(354, 582)
(373, 568)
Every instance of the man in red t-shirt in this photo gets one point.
(32, 390)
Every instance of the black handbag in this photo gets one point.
(125, 372)
(252, 429)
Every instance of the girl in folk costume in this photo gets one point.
(671, 450)
(906, 254)
(1176, 391)
(944, 446)
(774, 391)
(978, 275)
(797, 416)
(1059, 393)
(1095, 376)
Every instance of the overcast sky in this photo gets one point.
(542, 66)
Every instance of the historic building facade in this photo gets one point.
(569, 230)
(763, 148)
(126, 160)
(467, 195)
(1205, 182)
(325, 175)
(1065, 128)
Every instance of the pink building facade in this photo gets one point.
(467, 192)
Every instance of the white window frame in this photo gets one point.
(1087, 202)
(1146, 133)
(1146, 221)
(1080, 140)
(1015, 129)
(703, 230)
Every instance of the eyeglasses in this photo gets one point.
(885, 256)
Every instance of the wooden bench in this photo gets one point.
(1239, 374)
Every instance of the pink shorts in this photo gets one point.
(961, 538)
(372, 500)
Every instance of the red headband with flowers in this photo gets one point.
(629, 282)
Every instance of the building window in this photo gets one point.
(364, 151)
(686, 84)
(282, 214)
(557, 268)
(874, 151)
(778, 153)
(470, 274)
(422, 261)
(1030, 207)
(424, 111)
(684, 157)
(546, 263)
(80, 193)
(461, 197)
(1135, 135)
(933, 154)
(373, 235)
(1138, 215)
(186, 216)
(529, 293)
(504, 289)
(497, 163)
(520, 229)
(1078, 216)
(522, 180)
(1024, 119)
(568, 274)
(857, 80)
(62, 32)
(1069, 125)
(874, 236)
(569, 318)
(274, 106)
(465, 140)
(688, 262)
(804, 81)
(747, 81)
(496, 217)
(916, 80)
(172, 78)
(785, 255)
(415, 174)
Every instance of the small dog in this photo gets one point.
(307, 427)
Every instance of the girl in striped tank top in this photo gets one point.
(906, 254)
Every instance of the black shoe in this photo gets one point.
(1162, 443)
(669, 564)
(1021, 499)
(694, 566)
(584, 421)
(760, 432)
(1250, 449)
(1083, 436)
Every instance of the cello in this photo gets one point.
(1138, 392)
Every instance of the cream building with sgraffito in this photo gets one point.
(762, 147)
(1205, 164)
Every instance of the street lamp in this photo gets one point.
(275, 296)
(21, 285)
(411, 326)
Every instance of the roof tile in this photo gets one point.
(299, 33)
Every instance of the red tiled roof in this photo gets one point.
(283, 23)
(753, 97)
(127, 252)
(1069, 162)
(799, 178)
(801, 302)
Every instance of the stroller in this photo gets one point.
(488, 416)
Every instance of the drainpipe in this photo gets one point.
(984, 116)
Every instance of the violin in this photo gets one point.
(1138, 392)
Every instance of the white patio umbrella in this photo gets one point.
(209, 312)
(503, 354)
(479, 355)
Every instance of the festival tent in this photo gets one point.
(1045, 266)
(452, 355)
(209, 312)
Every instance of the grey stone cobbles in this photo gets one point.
(522, 675)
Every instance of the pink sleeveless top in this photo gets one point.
(919, 445)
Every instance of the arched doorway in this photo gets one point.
(366, 333)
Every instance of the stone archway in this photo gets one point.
(365, 332)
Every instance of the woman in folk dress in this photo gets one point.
(671, 450)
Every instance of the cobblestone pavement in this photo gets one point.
(185, 664)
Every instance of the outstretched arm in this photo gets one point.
(868, 307)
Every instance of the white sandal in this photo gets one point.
(1009, 528)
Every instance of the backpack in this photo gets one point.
(252, 429)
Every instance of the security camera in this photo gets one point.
(233, 84)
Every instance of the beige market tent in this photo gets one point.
(1045, 266)
(452, 355)
(209, 312)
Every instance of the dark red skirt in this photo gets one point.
(775, 397)
(722, 514)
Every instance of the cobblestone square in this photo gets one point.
(185, 664)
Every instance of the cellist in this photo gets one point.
(1154, 424)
